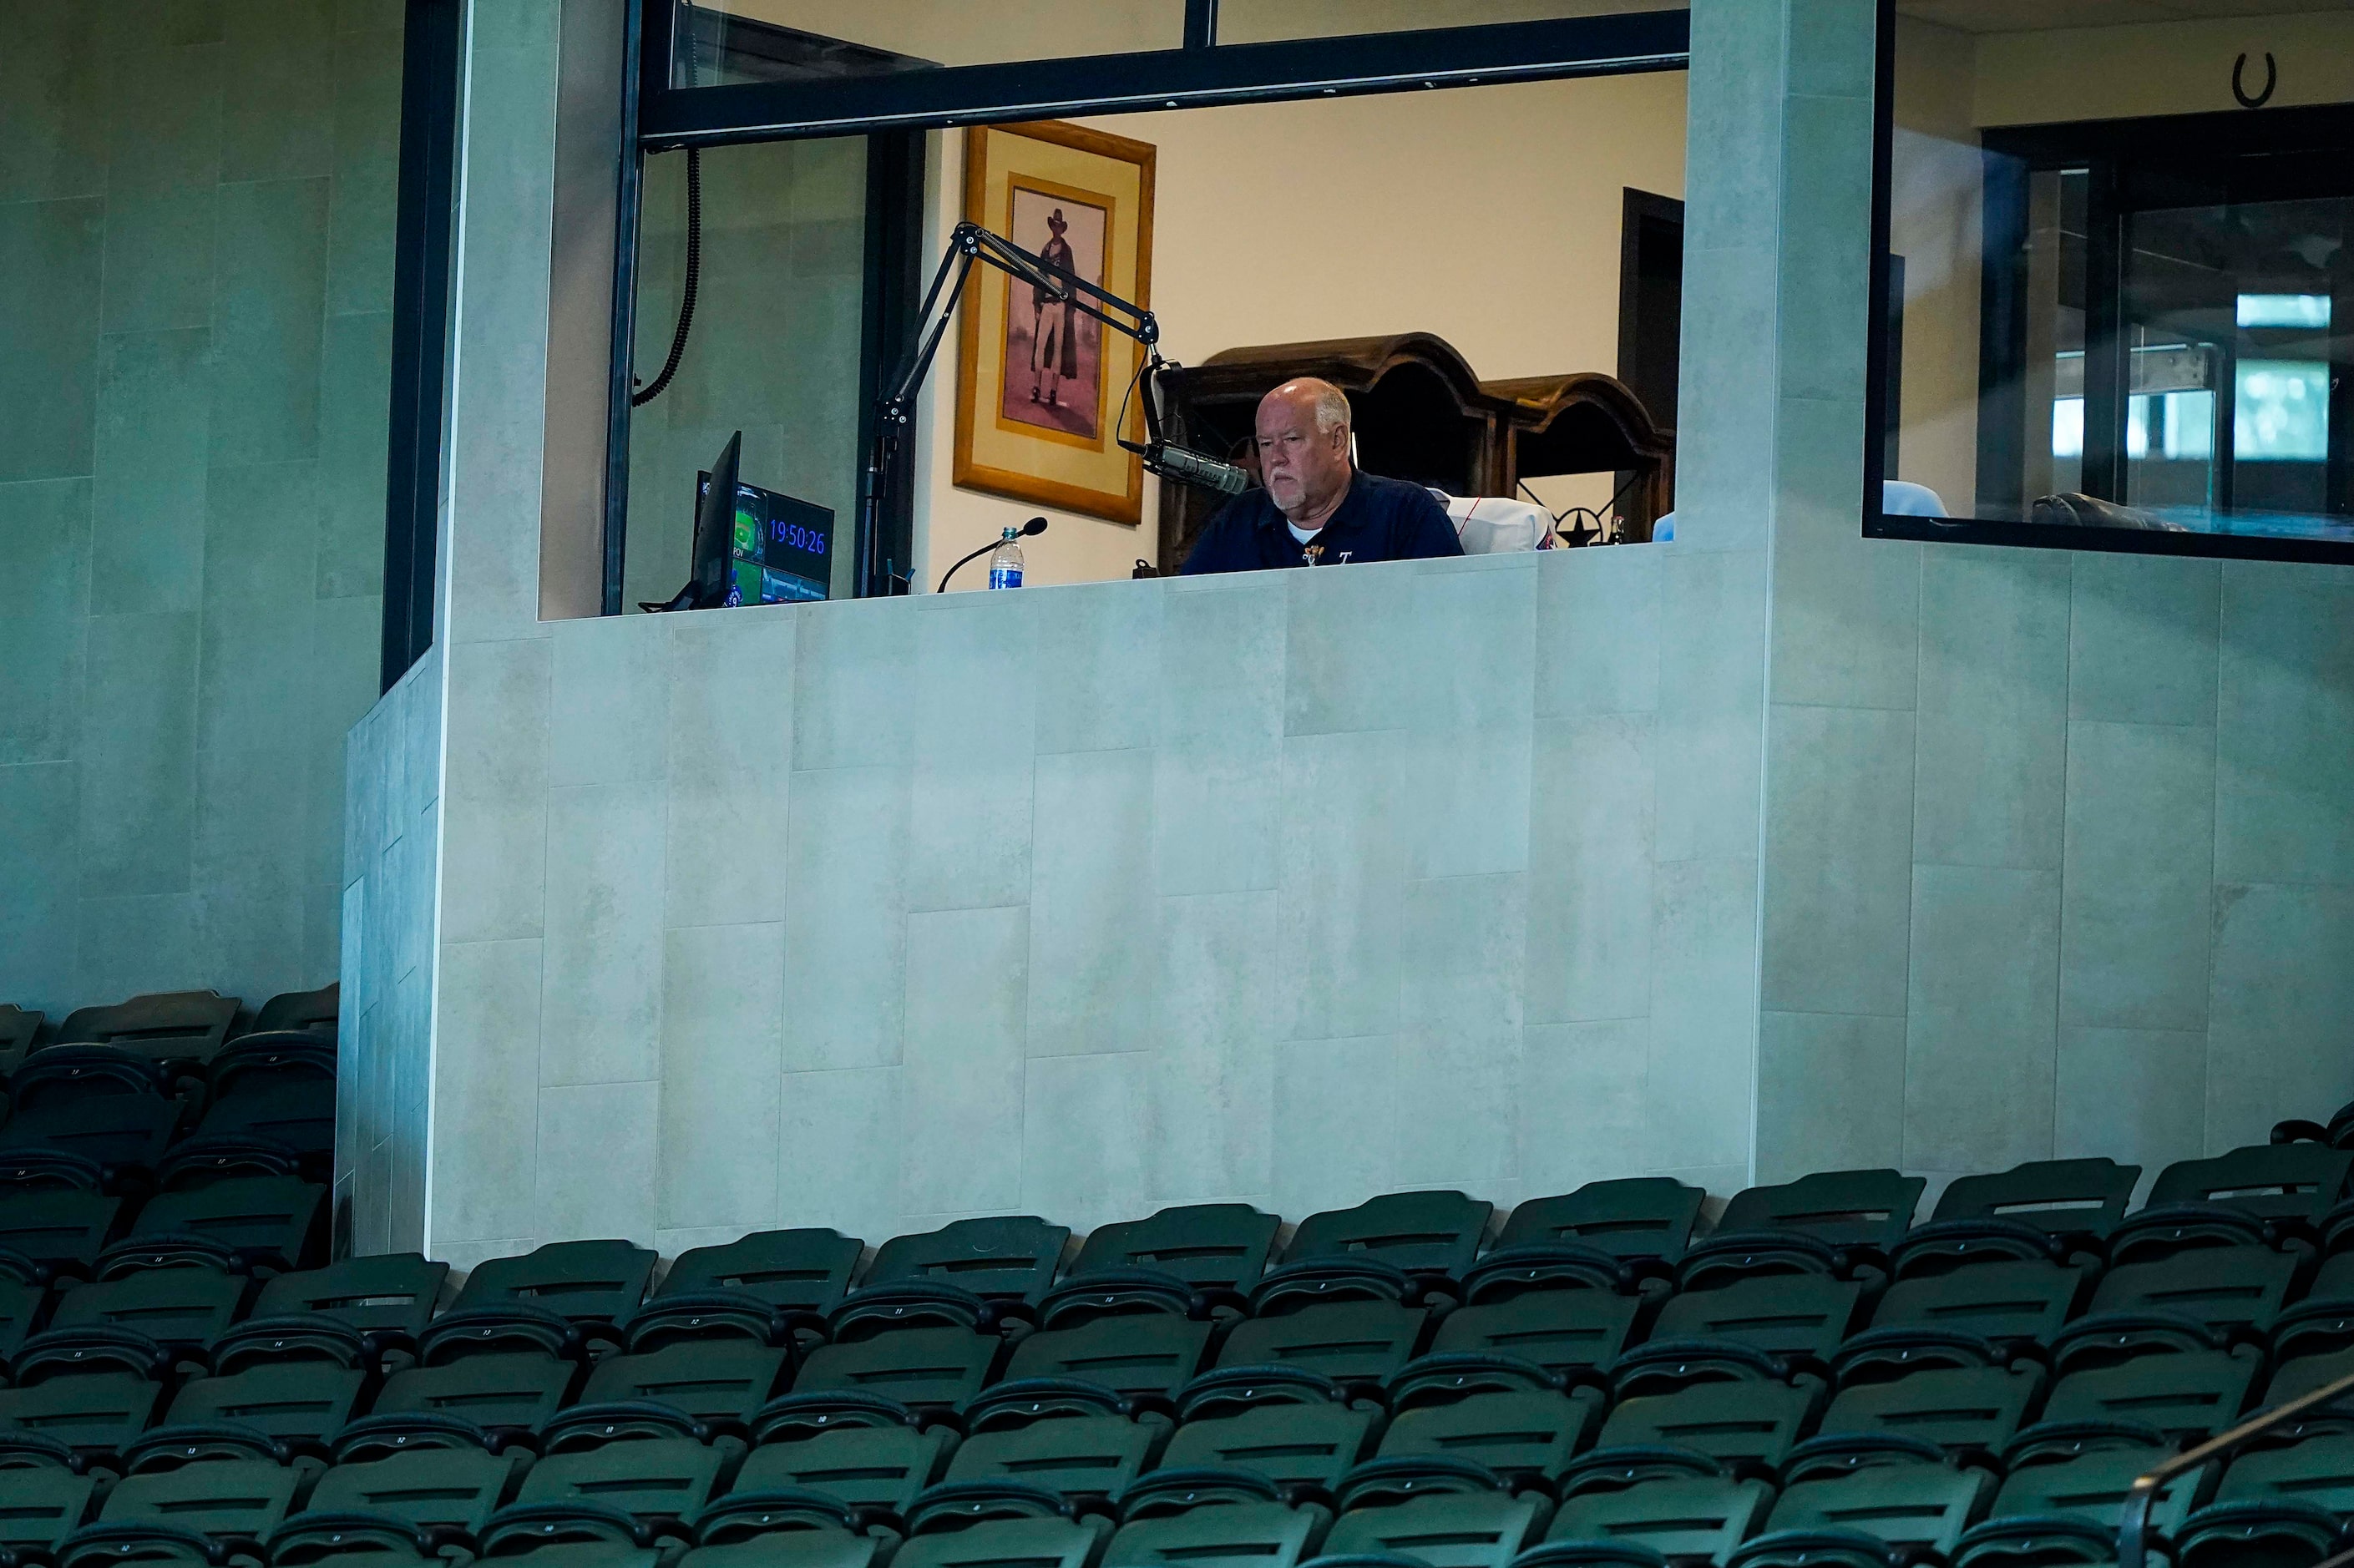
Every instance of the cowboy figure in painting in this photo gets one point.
(1053, 353)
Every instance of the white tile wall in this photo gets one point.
(1092, 933)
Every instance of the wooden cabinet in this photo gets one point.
(1421, 415)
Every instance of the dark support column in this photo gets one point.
(894, 227)
(1201, 23)
(420, 320)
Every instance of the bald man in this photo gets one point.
(1317, 509)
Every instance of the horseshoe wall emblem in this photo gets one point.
(2271, 80)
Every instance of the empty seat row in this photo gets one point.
(634, 1475)
(185, 1029)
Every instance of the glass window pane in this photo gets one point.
(1264, 21)
(802, 40)
(773, 351)
(2123, 305)
(2280, 412)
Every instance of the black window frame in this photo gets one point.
(894, 111)
(2066, 143)
(431, 37)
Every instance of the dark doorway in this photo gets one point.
(1651, 299)
(1650, 305)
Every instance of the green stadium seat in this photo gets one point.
(390, 1296)
(651, 1461)
(2063, 1491)
(1141, 1333)
(49, 1490)
(437, 1473)
(1511, 1415)
(1567, 1308)
(597, 1285)
(295, 1379)
(2288, 1189)
(1353, 1320)
(182, 1029)
(1673, 1507)
(2276, 1505)
(1727, 1402)
(2188, 1394)
(55, 1213)
(1647, 1219)
(313, 1539)
(1000, 1524)
(2312, 1348)
(922, 1344)
(1862, 1213)
(1008, 1261)
(2076, 1204)
(860, 1451)
(1448, 1514)
(182, 1292)
(785, 1530)
(1075, 1439)
(1425, 1235)
(24, 1297)
(2235, 1288)
(1801, 1315)
(803, 1274)
(228, 1485)
(1214, 1518)
(276, 1093)
(2010, 1300)
(571, 1535)
(1295, 1429)
(1875, 1502)
(1218, 1249)
(20, 1031)
(272, 1218)
(94, 1390)
(717, 1356)
(313, 1012)
(1964, 1395)
(102, 1104)
(504, 1369)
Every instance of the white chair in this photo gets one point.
(1493, 524)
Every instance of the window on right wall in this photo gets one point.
(2117, 276)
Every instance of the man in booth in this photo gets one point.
(1315, 508)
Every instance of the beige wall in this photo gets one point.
(1934, 217)
(968, 32)
(2162, 68)
(1289, 222)
(975, 32)
(1255, 21)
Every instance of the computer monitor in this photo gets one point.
(779, 550)
(715, 528)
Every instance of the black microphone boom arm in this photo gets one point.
(895, 411)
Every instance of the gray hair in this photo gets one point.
(1332, 408)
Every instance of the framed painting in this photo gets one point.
(1039, 385)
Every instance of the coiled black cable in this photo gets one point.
(694, 279)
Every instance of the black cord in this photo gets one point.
(1142, 365)
(694, 279)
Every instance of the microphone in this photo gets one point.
(1191, 468)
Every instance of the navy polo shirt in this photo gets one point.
(1379, 520)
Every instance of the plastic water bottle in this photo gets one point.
(1005, 561)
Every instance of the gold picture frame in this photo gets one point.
(1039, 386)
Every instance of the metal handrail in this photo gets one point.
(2133, 1524)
